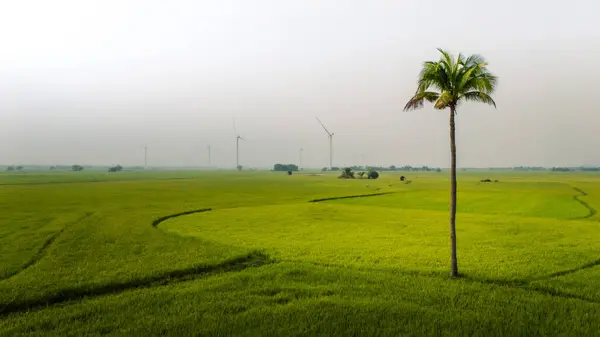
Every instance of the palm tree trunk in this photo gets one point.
(454, 263)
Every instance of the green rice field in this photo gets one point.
(267, 254)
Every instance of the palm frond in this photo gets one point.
(457, 69)
(446, 58)
(433, 75)
(427, 76)
(444, 101)
(418, 99)
(428, 66)
(481, 81)
(464, 77)
(475, 59)
(444, 76)
(478, 96)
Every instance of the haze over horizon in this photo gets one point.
(92, 82)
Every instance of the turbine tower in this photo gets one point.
(237, 146)
(237, 150)
(330, 134)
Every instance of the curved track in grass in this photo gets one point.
(592, 211)
(42, 251)
(156, 222)
(252, 259)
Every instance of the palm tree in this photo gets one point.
(447, 83)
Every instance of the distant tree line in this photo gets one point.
(553, 169)
(61, 167)
(389, 168)
(14, 168)
(592, 169)
(407, 168)
(529, 168)
(77, 168)
(285, 167)
(573, 169)
(561, 169)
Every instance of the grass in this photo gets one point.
(229, 253)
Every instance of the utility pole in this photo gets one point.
(301, 150)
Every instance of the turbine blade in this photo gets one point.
(324, 128)
(234, 128)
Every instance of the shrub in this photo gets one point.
(373, 174)
(77, 167)
(347, 174)
(289, 173)
(116, 168)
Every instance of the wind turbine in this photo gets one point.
(330, 134)
(237, 146)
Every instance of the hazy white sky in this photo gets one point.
(91, 82)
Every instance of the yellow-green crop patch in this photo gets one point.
(504, 247)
